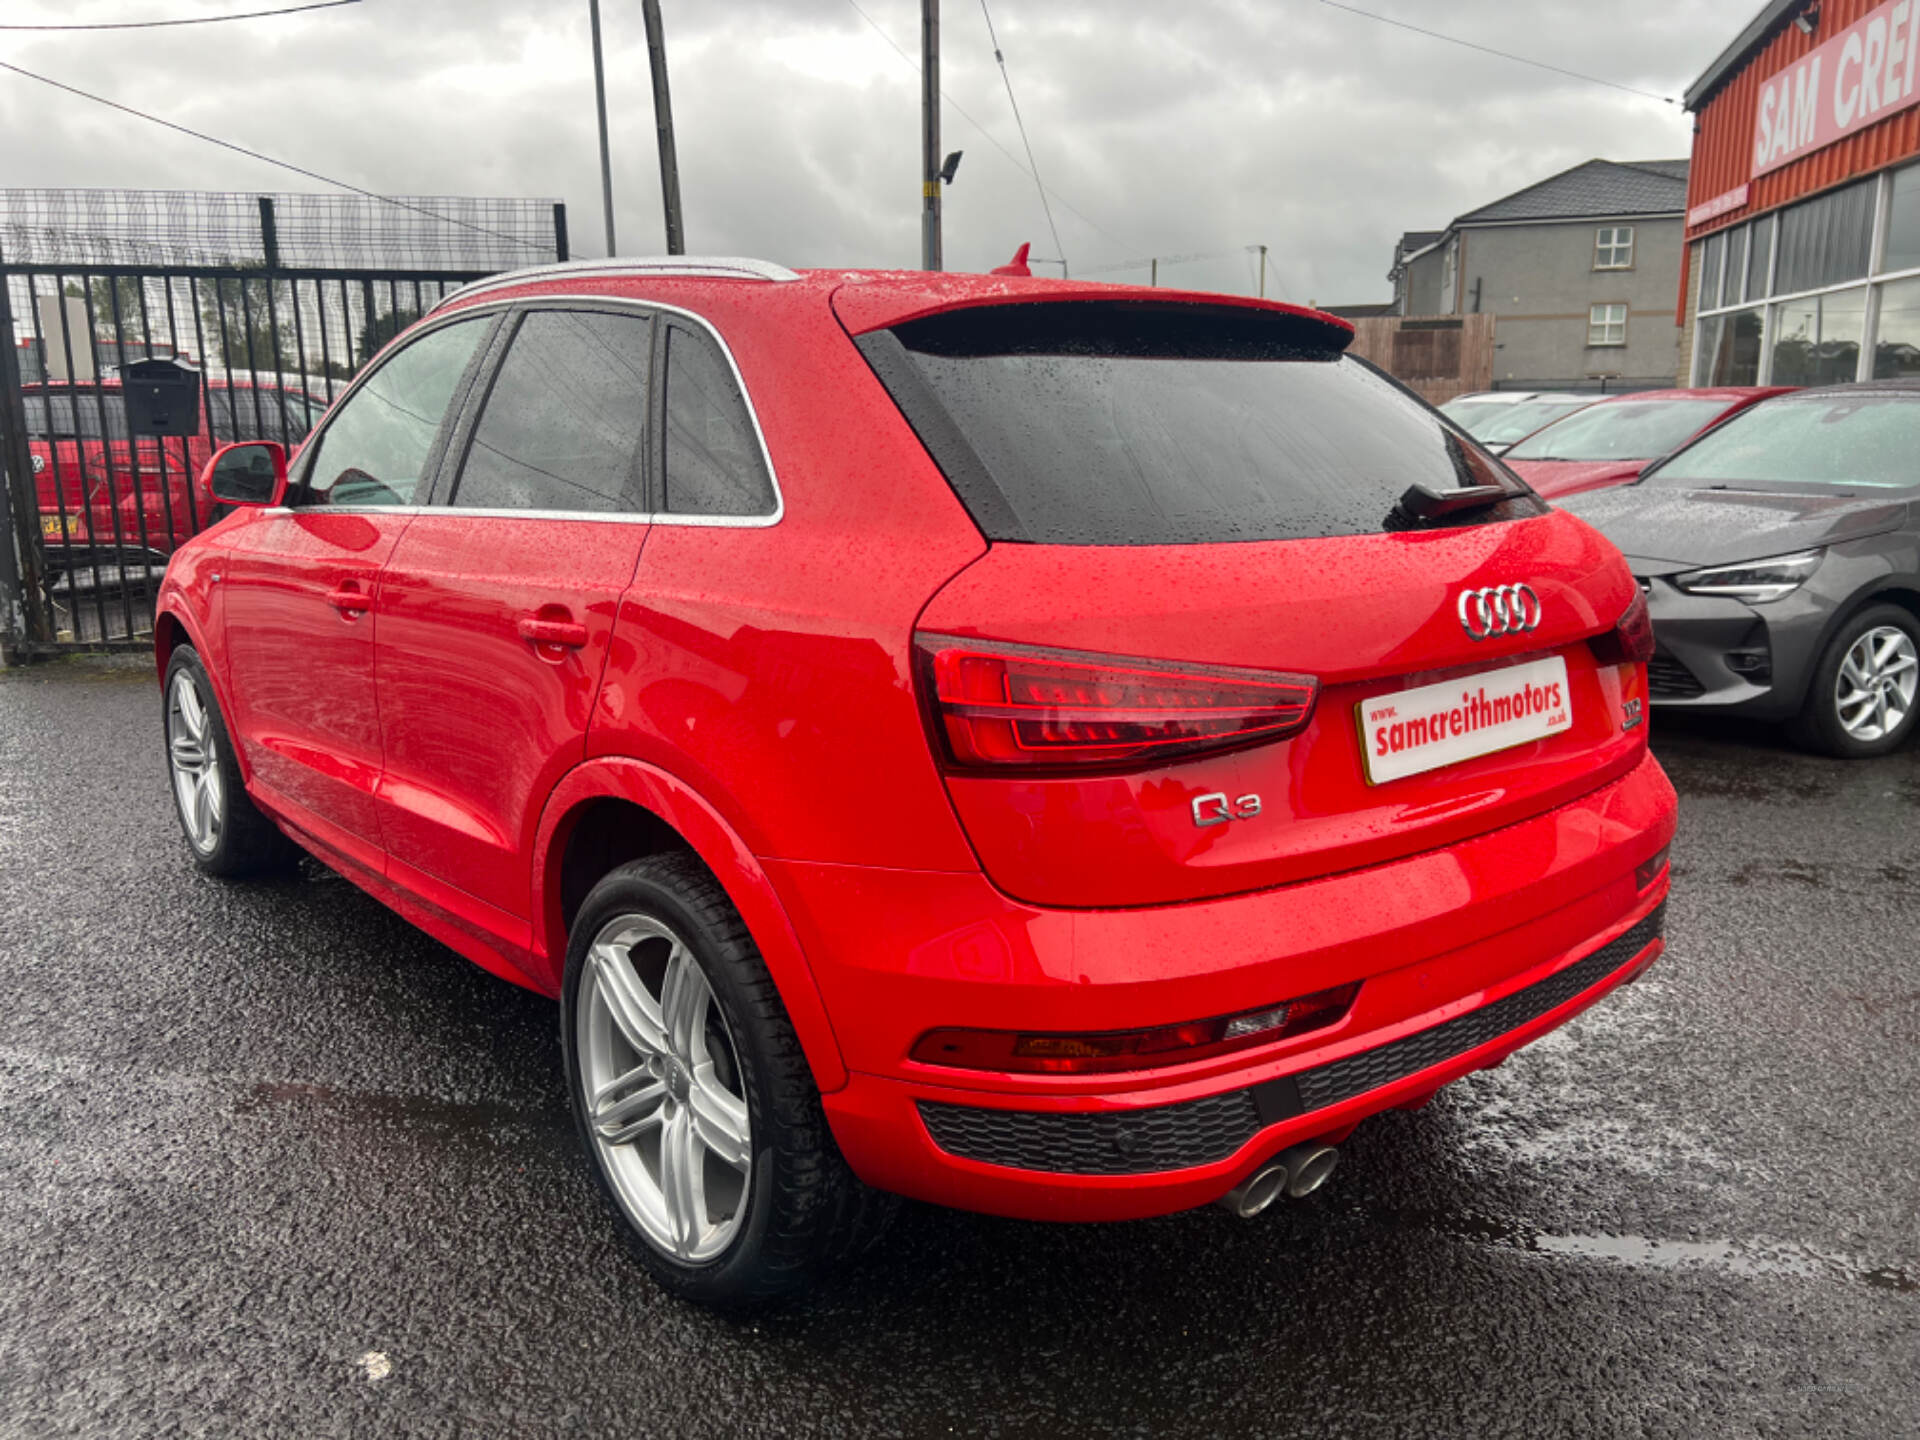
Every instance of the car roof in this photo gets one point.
(1518, 397)
(1906, 385)
(1729, 393)
(865, 300)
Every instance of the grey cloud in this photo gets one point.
(1205, 126)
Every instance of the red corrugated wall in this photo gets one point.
(1723, 133)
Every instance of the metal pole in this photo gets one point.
(930, 247)
(663, 122)
(23, 614)
(1153, 275)
(1263, 272)
(600, 103)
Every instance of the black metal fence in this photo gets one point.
(95, 509)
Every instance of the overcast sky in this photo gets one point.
(1160, 127)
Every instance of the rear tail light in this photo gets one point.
(1094, 1054)
(999, 706)
(1630, 642)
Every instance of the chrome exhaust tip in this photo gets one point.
(1308, 1168)
(1259, 1190)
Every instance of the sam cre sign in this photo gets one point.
(1863, 74)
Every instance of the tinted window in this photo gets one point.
(1163, 429)
(1761, 257)
(82, 415)
(1832, 440)
(246, 412)
(1826, 241)
(1620, 430)
(1903, 222)
(376, 449)
(714, 465)
(563, 423)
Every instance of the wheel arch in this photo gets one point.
(613, 809)
(171, 630)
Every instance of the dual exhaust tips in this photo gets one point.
(1295, 1173)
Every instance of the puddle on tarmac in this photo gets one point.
(1749, 1259)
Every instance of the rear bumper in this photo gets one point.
(1466, 954)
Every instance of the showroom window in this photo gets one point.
(1833, 314)
(1613, 247)
(1607, 325)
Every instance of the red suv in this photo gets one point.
(1068, 751)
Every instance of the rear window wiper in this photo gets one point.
(1419, 502)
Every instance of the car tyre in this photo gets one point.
(226, 833)
(1833, 718)
(715, 1086)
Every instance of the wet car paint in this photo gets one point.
(294, 1145)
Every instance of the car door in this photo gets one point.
(302, 583)
(498, 602)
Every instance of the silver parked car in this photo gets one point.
(1499, 418)
(1780, 553)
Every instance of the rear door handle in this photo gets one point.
(350, 600)
(570, 633)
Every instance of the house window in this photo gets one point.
(1607, 325)
(1613, 247)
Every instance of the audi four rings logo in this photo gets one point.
(1499, 610)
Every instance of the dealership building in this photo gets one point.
(1803, 202)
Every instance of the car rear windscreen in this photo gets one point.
(1094, 423)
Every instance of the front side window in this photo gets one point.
(1613, 247)
(1836, 439)
(714, 464)
(1607, 325)
(564, 420)
(377, 447)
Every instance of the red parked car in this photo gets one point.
(104, 494)
(1062, 750)
(1612, 441)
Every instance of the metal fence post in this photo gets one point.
(24, 622)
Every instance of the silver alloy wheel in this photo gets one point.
(664, 1091)
(195, 760)
(1874, 691)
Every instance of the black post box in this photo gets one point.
(162, 397)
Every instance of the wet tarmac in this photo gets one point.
(271, 1162)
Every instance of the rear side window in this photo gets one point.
(563, 423)
(714, 465)
(1101, 424)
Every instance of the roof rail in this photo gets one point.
(713, 267)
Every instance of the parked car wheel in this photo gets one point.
(693, 1098)
(1863, 698)
(226, 834)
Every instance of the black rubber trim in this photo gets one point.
(1200, 1132)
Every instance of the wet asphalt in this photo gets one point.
(271, 1162)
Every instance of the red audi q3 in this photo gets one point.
(1067, 751)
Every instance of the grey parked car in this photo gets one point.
(1780, 554)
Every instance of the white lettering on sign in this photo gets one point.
(1857, 78)
(1412, 731)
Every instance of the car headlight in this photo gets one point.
(1755, 581)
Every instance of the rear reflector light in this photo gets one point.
(1017, 706)
(1630, 642)
(1646, 874)
(1094, 1054)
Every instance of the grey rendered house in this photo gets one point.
(1581, 271)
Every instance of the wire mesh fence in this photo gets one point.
(310, 232)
